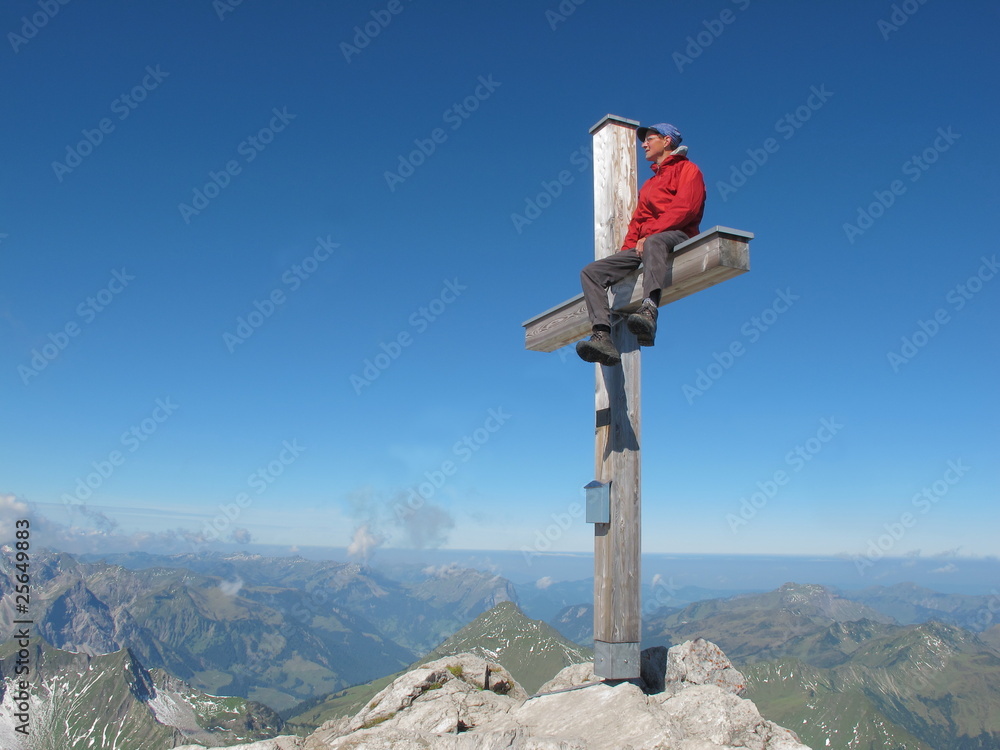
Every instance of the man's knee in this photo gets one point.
(595, 270)
(666, 241)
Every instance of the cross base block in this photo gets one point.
(616, 661)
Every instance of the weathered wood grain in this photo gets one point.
(616, 446)
(614, 201)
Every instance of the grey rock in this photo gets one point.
(450, 695)
(570, 677)
(701, 662)
(285, 742)
(688, 699)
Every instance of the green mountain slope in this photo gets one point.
(764, 625)
(842, 674)
(841, 678)
(823, 712)
(531, 650)
(79, 702)
(925, 686)
(991, 636)
(938, 681)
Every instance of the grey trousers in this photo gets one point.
(596, 277)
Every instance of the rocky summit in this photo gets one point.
(688, 698)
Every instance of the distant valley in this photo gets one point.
(884, 667)
(276, 630)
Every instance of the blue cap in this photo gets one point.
(662, 128)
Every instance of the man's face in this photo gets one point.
(655, 147)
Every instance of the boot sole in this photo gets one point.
(591, 354)
(640, 329)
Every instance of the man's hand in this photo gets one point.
(639, 246)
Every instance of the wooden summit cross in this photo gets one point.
(703, 261)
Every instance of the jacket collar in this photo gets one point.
(678, 154)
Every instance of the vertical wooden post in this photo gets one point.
(617, 620)
(710, 258)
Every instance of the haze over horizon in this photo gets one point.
(262, 276)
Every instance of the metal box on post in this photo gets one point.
(598, 502)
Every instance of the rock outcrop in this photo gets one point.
(687, 699)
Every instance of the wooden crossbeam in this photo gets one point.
(713, 256)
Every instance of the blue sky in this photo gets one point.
(260, 268)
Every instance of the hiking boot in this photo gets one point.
(643, 323)
(599, 348)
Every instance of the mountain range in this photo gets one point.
(112, 702)
(884, 667)
(838, 670)
(842, 673)
(278, 631)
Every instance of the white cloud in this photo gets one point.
(949, 568)
(363, 543)
(445, 570)
(242, 536)
(12, 510)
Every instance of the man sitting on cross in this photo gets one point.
(668, 212)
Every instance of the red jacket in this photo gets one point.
(673, 198)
